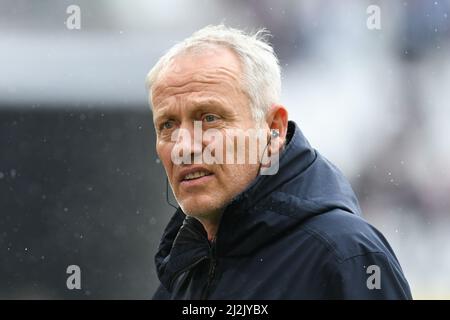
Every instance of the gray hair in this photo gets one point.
(261, 70)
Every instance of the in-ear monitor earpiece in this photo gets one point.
(275, 133)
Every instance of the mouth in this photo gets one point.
(196, 178)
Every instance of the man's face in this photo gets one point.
(203, 86)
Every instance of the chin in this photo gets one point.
(199, 206)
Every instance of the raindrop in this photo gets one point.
(2, 175)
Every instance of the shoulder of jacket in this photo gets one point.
(345, 235)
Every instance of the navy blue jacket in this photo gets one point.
(294, 235)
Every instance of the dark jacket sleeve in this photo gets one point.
(367, 276)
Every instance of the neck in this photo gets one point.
(211, 230)
(211, 224)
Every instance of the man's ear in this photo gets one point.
(277, 119)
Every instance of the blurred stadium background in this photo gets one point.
(79, 178)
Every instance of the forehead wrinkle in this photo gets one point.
(202, 75)
(204, 102)
(194, 90)
(212, 77)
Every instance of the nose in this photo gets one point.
(188, 145)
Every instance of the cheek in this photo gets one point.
(229, 175)
(164, 151)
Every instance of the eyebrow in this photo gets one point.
(160, 117)
(207, 104)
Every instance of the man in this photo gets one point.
(240, 234)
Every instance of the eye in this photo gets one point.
(210, 118)
(167, 124)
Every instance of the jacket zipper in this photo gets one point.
(192, 265)
(211, 270)
(175, 277)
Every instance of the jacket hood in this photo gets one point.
(305, 185)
